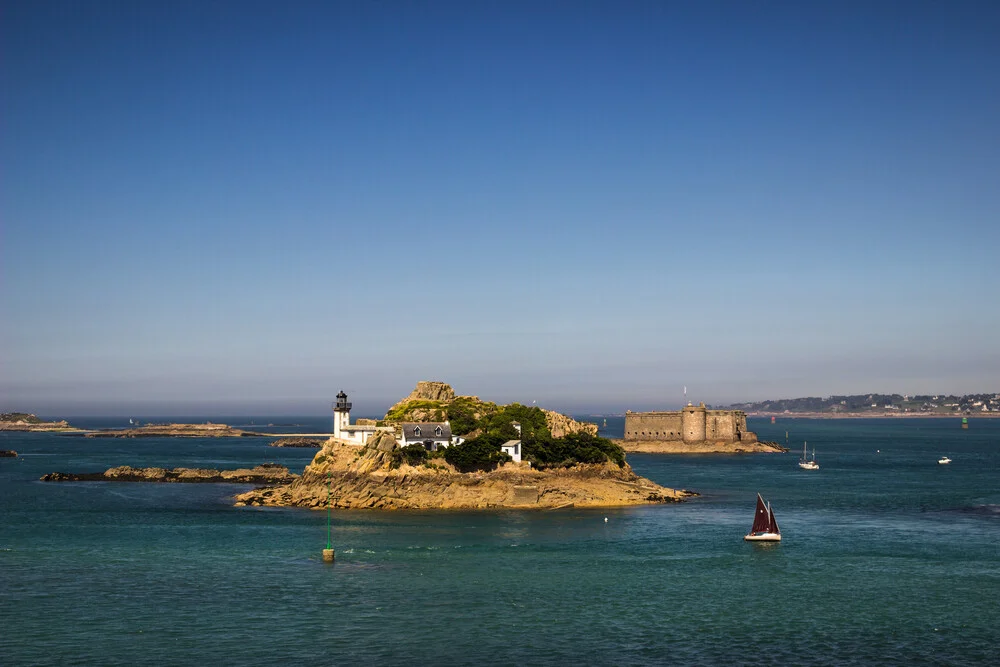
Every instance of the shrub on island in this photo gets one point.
(411, 454)
(479, 454)
(549, 452)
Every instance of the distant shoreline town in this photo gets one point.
(877, 405)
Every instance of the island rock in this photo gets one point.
(267, 473)
(206, 430)
(372, 477)
(298, 442)
(24, 421)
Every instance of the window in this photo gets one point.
(437, 431)
(416, 431)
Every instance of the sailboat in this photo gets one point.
(765, 528)
(806, 463)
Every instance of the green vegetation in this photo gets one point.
(403, 412)
(572, 449)
(482, 453)
(20, 417)
(490, 426)
(412, 454)
(539, 447)
(462, 415)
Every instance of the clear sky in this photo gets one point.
(247, 206)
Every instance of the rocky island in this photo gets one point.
(474, 470)
(694, 429)
(298, 442)
(373, 477)
(266, 473)
(207, 430)
(24, 421)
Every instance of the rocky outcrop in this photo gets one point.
(22, 421)
(430, 401)
(298, 442)
(267, 473)
(703, 447)
(560, 425)
(431, 391)
(207, 430)
(364, 477)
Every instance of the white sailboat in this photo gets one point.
(944, 460)
(765, 527)
(805, 463)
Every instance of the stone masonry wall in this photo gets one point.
(719, 425)
(653, 426)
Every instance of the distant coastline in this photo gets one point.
(875, 415)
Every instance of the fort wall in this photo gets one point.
(693, 420)
(692, 424)
(653, 426)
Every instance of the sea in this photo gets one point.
(887, 558)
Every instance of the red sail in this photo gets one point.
(761, 518)
(774, 523)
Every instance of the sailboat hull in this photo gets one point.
(763, 537)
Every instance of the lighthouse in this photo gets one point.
(341, 415)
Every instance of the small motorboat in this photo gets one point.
(944, 460)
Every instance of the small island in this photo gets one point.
(694, 429)
(266, 473)
(315, 443)
(473, 455)
(25, 421)
(206, 430)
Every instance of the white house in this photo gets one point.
(432, 435)
(512, 447)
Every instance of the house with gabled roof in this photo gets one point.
(432, 435)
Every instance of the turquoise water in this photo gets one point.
(887, 558)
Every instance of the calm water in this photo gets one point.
(887, 558)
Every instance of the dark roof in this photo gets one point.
(426, 430)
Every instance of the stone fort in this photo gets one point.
(693, 423)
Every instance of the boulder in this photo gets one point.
(431, 391)
(560, 425)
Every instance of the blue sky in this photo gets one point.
(245, 206)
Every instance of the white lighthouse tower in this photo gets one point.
(341, 416)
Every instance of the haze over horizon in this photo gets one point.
(209, 206)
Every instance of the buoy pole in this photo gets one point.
(328, 552)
